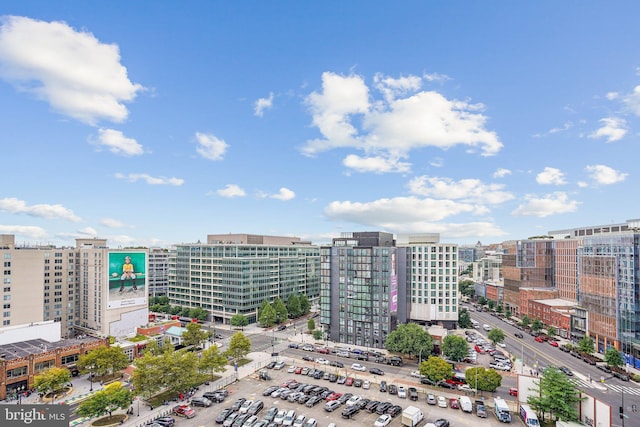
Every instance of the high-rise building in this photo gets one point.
(234, 273)
(363, 288)
(159, 271)
(432, 279)
(83, 288)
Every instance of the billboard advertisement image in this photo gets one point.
(127, 279)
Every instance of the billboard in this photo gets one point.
(393, 288)
(127, 279)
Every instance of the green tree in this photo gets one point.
(411, 339)
(496, 336)
(305, 305)
(185, 312)
(555, 395)
(175, 310)
(194, 335)
(536, 325)
(311, 324)
(551, 331)
(281, 310)
(436, 369)
(317, 334)
(212, 361)
(239, 346)
(483, 379)
(51, 380)
(170, 370)
(613, 357)
(491, 304)
(198, 313)
(525, 321)
(103, 361)
(163, 300)
(111, 397)
(465, 287)
(586, 345)
(293, 306)
(239, 321)
(482, 300)
(499, 309)
(508, 314)
(464, 319)
(454, 347)
(266, 315)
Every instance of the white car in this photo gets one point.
(442, 402)
(366, 384)
(402, 392)
(353, 400)
(322, 361)
(383, 420)
(245, 406)
(311, 422)
(280, 416)
(299, 422)
(291, 369)
(501, 344)
(358, 367)
(416, 374)
(466, 388)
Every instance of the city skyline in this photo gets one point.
(153, 124)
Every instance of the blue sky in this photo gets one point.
(156, 122)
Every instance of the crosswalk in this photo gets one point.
(613, 387)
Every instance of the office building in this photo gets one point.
(234, 273)
(159, 271)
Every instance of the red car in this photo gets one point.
(479, 349)
(323, 350)
(298, 370)
(513, 392)
(453, 403)
(184, 411)
(539, 339)
(334, 396)
(349, 381)
(553, 343)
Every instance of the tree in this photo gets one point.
(170, 370)
(556, 395)
(536, 325)
(198, 313)
(293, 306)
(499, 309)
(266, 315)
(464, 319)
(508, 314)
(436, 369)
(482, 301)
(239, 321)
(613, 357)
(51, 380)
(185, 312)
(281, 310)
(586, 345)
(525, 321)
(239, 346)
(317, 334)
(305, 305)
(311, 324)
(103, 361)
(483, 379)
(194, 335)
(212, 361)
(175, 310)
(454, 347)
(465, 287)
(111, 397)
(496, 335)
(492, 304)
(411, 339)
(551, 331)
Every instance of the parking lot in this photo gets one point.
(252, 388)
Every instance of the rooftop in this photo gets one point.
(38, 346)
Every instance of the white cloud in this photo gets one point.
(468, 190)
(263, 104)
(549, 204)
(551, 176)
(437, 162)
(501, 173)
(28, 231)
(604, 175)
(375, 164)
(231, 190)
(15, 206)
(284, 194)
(613, 129)
(160, 180)
(117, 143)
(210, 147)
(391, 87)
(391, 128)
(436, 77)
(112, 223)
(71, 70)
(88, 231)
(612, 96)
(633, 100)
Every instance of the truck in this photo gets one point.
(501, 410)
(529, 417)
(465, 404)
(411, 416)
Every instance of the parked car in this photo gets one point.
(200, 401)
(358, 367)
(481, 410)
(336, 363)
(442, 402)
(246, 405)
(221, 416)
(279, 365)
(394, 410)
(366, 385)
(238, 403)
(413, 393)
(454, 404)
(376, 371)
(402, 392)
(349, 381)
(322, 361)
(350, 411)
(170, 421)
(279, 418)
(185, 411)
(331, 406)
(383, 386)
(393, 389)
(256, 407)
(431, 399)
(300, 420)
(383, 420)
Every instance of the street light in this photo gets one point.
(20, 390)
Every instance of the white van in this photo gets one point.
(465, 404)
